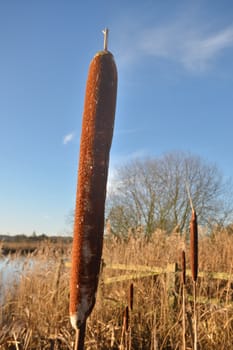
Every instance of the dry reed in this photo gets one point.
(41, 321)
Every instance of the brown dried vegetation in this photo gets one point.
(35, 311)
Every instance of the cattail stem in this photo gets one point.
(80, 337)
(183, 319)
(195, 313)
(194, 268)
(105, 32)
(183, 298)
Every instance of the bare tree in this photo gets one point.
(152, 193)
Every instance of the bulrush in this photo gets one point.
(183, 265)
(194, 245)
(131, 296)
(96, 139)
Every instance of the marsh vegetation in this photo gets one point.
(35, 304)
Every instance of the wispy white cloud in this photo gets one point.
(201, 52)
(68, 138)
(190, 44)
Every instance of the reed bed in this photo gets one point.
(35, 310)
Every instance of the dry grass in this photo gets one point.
(35, 314)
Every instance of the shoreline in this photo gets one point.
(28, 245)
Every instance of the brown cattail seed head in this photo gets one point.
(96, 138)
(183, 264)
(131, 296)
(126, 319)
(194, 246)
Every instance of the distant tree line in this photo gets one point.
(34, 238)
(152, 193)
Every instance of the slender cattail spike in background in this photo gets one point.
(96, 139)
(183, 264)
(194, 245)
(131, 296)
(126, 319)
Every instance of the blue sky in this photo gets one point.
(175, 92)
